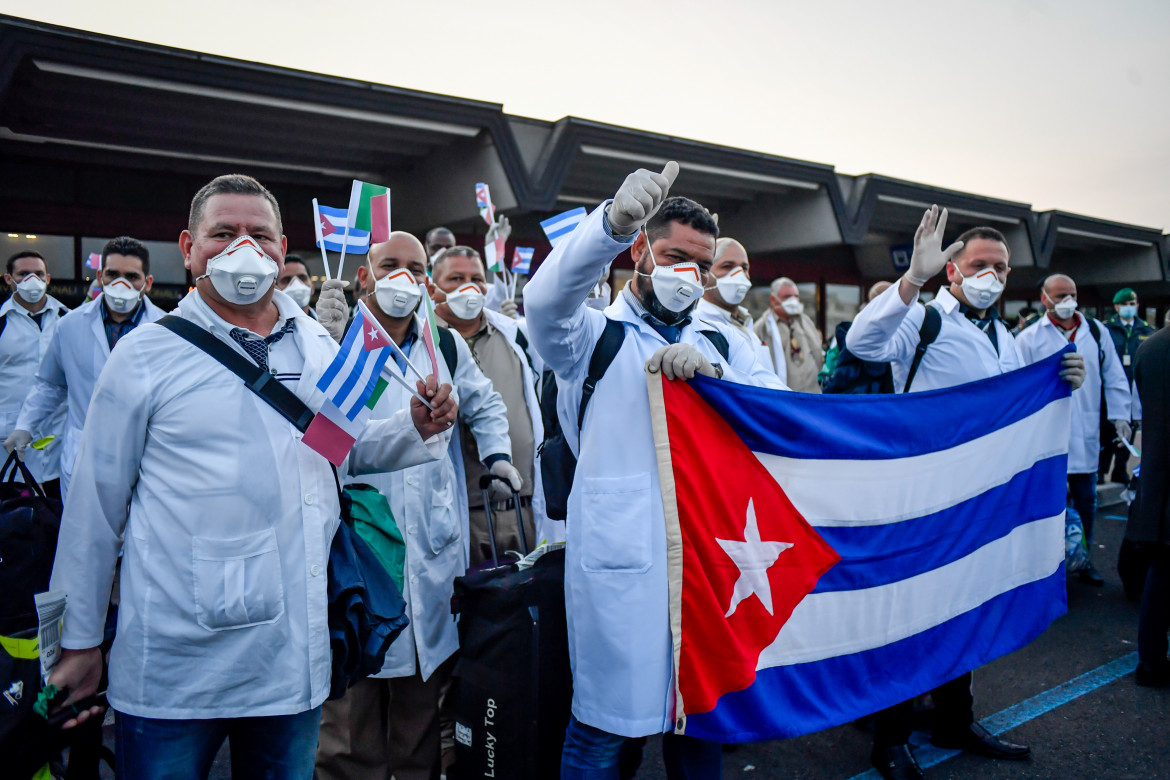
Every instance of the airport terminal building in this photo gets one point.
(101, 136)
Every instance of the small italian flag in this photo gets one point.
(430, 329)
(369, 209)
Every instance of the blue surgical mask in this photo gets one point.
(1128, 311)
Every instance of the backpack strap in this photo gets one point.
(604, 352)
(522, 342)
(720, 342)
(256, 379)
(1096, 331)
(447, 347)
(931, 325)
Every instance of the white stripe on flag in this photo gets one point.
(873, 492)
(354, 396)
(342, 375)
(826, 625)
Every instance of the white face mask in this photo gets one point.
(677, 286)
(397, 293)
(734, 285)
(121, 296)
(242, 273)
(981, 288)
(1064, 309)
(792, 306)
(466, 302)
(299, 292)
(31, 288)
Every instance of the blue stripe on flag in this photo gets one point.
(788, 701)
(350, 382)
(873, 555)
(841, 427)
(354, 333)
(561, 225)
(379, 362)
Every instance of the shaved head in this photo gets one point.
(877, 290)
(1057, 286)
(400, 250)
(399, 244)
(722, 245)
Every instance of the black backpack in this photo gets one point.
(557, 461)
(854, 376)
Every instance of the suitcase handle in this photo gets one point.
(485, 483)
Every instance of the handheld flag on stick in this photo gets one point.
(384, 337)
(332, 223)
(369, 210)
(483, 202)
(94, 261)
(559, 227)
(318, 229)
(522, 259)
(430, 328)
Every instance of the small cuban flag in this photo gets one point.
(483, 202)
(332, 224)
(94, 261)
(522, 259)
(559, 227)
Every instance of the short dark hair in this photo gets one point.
(454, 251)
(684, 211)
(23, 253)
(131, 247)
(296, 259)
(230, 184)
(983, 231)
(437, 231)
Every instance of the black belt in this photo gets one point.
(504, 506)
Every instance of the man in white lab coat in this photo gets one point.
(28, 320)
(615, 569)
(82, 345)
(972, 343)
(223, 517)
(721, 303)
(389, 724)
(1105, 380)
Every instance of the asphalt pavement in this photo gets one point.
(1064, 691)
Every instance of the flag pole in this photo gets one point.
(355, 196)
(369, 315)
(320, 238)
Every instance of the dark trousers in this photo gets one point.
(1114, 455)
(1154, 618)
(1083, 488)
(953, 711)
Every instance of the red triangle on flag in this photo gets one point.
(749, 557)
(327, 228)
(373, 335)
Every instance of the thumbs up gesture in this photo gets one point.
(638, 198)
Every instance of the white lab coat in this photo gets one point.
(886, 330)
(615, 569)
(67, 375)
(224, 520)
(551, 531)
(722, 319)
(1041, 339)
(430, 506)
(22, 346)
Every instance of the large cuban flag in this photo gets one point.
(831, 556)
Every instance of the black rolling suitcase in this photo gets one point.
(512, 686)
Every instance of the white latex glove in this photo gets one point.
(332, 308)
(501, 228)
(1072, 369)
(504, 469)
(638, 198)
(681, 361)
(17, 440)
(509, 308)
(1123, 429)
(929, 257)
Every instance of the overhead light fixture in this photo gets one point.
(983, 215)
(14, 235)
(585, 199)
(1102, 237)
(29, 235)
(254, 99)
(7, 134)
(731, 173)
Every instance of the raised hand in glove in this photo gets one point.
(638, 198)
(501, 228)
(1072, 369)
(509, 308)
(17, 441)
(682, 361)
(929, 257)
(504, 469)
(332, 308)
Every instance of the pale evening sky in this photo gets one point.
(1058, 103)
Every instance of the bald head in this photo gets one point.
(877, 290)
(724, 245)
(1057, 285)
(438, 239)
(400, 250)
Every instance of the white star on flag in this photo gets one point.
(753, 557)
(373, 333)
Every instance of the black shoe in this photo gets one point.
(1090, 576)
(977, 739)
(896, 763)
(1157, 677)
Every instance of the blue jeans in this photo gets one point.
(281, 747)
(592, 754)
